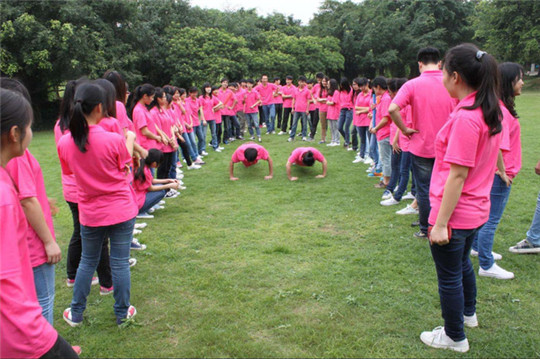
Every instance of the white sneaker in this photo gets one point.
(331, 144)
(495, 272)
(386, 195)
(161, 203)
(132, 262)
(144, 216)
(471, 322)
(304, 138)
(217, 150)
(182, 188)
(358, 160)
(204, 153)
(136, 231)
(194, 167)
(349, 148)
(408, 210)
(368, 161)
(221, 148)
(409, 195)
(496, 256)
(437, 338)
(281, 133)
(290, 139)
(370, 169)
(140, 225)
(179, 176)
(389, 202)
(252, 138)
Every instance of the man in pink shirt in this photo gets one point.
(249, 154)
(287, 92)
(300, 104)
(430, 107)
(278, 101)
(266, 91)
(305, 156)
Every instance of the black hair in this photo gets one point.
(15, 85)
(319, 75)
(250, 81)
(276, 78)
(243, 81)
(181, 91)
(332, 87)
(361, 81)
(224, 79)
(204, 86)
(479, 71)
(66, 105)
(309, 81)
(194, 89)
(322, 88)
(233, 84)
(109, 97)
(428, 55)
(87, 97)
(154, 155)
(391, 84)
(15, 108)
(119, 84)
(302, 78)
(250, 154)
(344, 85)
(169, 98)
(379, 81)
(510, 74)
(308, 159)
(214, 88)
(137, 95)
(170, 90)
(158, 94)
(289, 77)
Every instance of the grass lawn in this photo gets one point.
(313, 268)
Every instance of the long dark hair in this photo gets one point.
(119, 84)
(333, 87)
(138, 93)
(204, 94)
(154, 155)
(109, 97)
(87, 97)
(158, 94)
(322, 87)
(480, 72)
(15, 110)
(344, 85)
(510, 74)
(355, 93)
(66, 105)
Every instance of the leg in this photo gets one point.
(152, 198)
(354, 138)
(172, 169)
(193, 146)
(279, 114)
(219, 132)
(75, 245)
(185, 149)
(363, 133)
(404, 168)
(213, 142)
(60, 349)
(250, 123)
(272, 117)
(341, 123)
(347, 126)
(304, 119)
(104, 266)
(533, 234)
(296, 115)
(324, 125)
(422, 168)
(385, 150)
(200, 139)
(314, 123)
(286, 115)
(44, 283)
(165, 166)
(395, 160)
(235, 125)
(374, 152)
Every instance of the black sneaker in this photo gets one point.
(420, 234)
(415, 224)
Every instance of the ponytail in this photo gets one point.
(154, 155)
(138, 93)
(87, 97)
(510, 74)
(479, 71)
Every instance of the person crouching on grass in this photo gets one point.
(305, 156)
(249, 154)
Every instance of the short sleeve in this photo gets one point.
(124, 158)
(403, 97)
(294, 155)
(385, 105)
(238, 155)
(506, 123)
(10, 259)
(139, 118)
(317, 155)
(463, 141)
(20, 170)
(262, 153)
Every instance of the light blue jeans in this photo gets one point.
(120, 236)
(214, 141)
(253, 123)
(344, 124)
(385, 156)
(44, 282)
(533, 235)
(374, 152)
(304, 118)
(269, 112)
(192, 145)
(200, 132)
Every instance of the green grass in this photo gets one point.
(313, 268)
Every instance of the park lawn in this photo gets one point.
(313, 268)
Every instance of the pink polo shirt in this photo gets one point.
(316, 93)
(430, 106)
(141, 188)
(250, 99)
(186, 119)
(298, 153)
(238, 155)
(102, 175)
(194, 105)
(28, 177)
(277, 100)
(227, 98)
(511, 150)
(323, 107)
(345, 100)
(382, 112)
(24, 332)
(464, 140)
(164, 121)
(266, 93)
(208, 103)
(333, 110)
(69, 185)
(301, 98)
(404, 140)
(362, 100)
(289, 91)
(142, 118)
(313, 105)
(122, 117)
(239, 95)
(111, 124)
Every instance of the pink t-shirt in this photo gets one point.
(316, 90)
(238, 155)
(404, 140)
(141, 119)
(208, 103)
(345, 100)
(323, 107)
(362, 100)
(239, 95)
(250, 99)
(301, 97)
(111, 124)
(164, 122)
(382, 112)
(298, 153)
(141, 188)
(430, 106)
(227, 98)
(464, 140)
(277, 99)
(333, 110)
(511, 149)
(102, 174)
(266, 93)
(288, 91)
(24, 331)
(28, 177)
(69, 184)
(186, 119)
(194, 105)
(313, 105)
(121, 115)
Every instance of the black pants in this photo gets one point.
(314, 121)
(75, 250)
(227, 128)
(165, 166)
(286, 115)
(60, 349)
(219, 132)
(354, 136)
(185, 152)
(279, 113)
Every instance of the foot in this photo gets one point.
(386, 195)
(368, 161)
(105, 290)
(437, 338)
(70, 319)
(358, 160)
(420, 234)
(524, 247)
(380, 185)
(260, 139)
(304, 138)
(140, 225)
(290, 139)
(415, 224)
(131, 312)
(252, 138)
(495, 272)
(407, 210)
(496, 256)
(282, 133)
(409, 195)
(375, 174)
(144, 216)
(132, 262)
(321, 142)
(136, 231)
(470, 321)
(136, 246)
(389, 202)
(194, 167)
(204, 153)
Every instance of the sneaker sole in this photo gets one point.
(106, 293)
(489, 275)
(525, 251)
(457, 349)
(70, 322)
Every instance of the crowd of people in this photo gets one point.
(454, 128)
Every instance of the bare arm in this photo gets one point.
(130, 142)
(147, 133)
(501, 170)
(231, 172)
(324, 167)
(396, 117)
(383, 122)
(289, 176)
(359, 110)
(270, 169)
(34, 214)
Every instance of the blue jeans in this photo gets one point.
(235, 127)
(227, 133)
(200, 132)
(395, 177)
(457, 283)
(404, 169)
(172, 170)
(214, 141)
(152, 198)
(44, 283)
(344, 124)
(192, 145)
(483, 242)
(363, 133)
(421, 171)
(120, 236)
(385, 156)
(533, 234)
(253, 123)
(304, 118)
(269, 112)
(374, 152)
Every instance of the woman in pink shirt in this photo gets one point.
(323, 108)
(100, 162)
(24, 331)
(332, 113)
(345, 110)
(210, 111)
(145, 128)
(360, 116)
(511, 83)
(466, 150)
